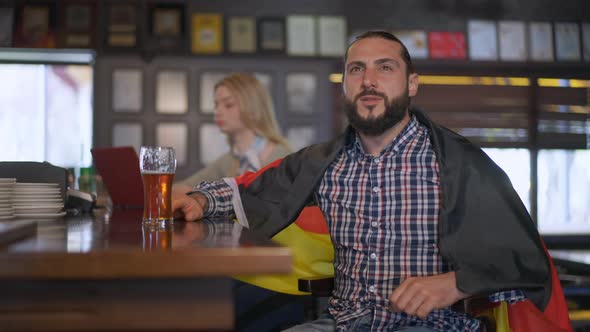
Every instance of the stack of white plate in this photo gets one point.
(6, 190)
(37, 200)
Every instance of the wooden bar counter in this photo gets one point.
(85, 274)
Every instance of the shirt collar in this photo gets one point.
(354, 148)
(249, 159)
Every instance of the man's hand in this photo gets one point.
(190, 207)
(420, 295)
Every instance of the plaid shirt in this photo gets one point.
(383, 217)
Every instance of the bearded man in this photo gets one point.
(419, 217)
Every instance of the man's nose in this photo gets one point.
(369, 79)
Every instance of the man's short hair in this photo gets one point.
(387, 36)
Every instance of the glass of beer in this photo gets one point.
(157, 166)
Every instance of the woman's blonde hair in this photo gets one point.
(256, 108)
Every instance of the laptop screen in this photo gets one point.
(119, 169)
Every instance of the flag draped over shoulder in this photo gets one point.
(524, 316)
(313, 254)
(310, 243)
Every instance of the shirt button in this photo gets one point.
(376, 189)
(374, 223)
(376, 160)
(373, 255)
(372, 289)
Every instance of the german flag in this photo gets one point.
(309, 240)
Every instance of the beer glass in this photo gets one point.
(157, 166)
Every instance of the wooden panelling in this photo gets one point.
(563, 96)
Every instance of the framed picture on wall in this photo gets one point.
(301, 92)
(567, 42)
(416, 42)
(127, 90)
(6, 23)
(167, 21)
(122, 25)
(78, 25)
(127, 134)
(447, 45)
(301, 35)
(241, 33)
(541, 41)
(271, 34)
(166, 27)
(207, 83)
(482, 40)
(171, 92)
(512, 37)
(207, 33)
(332, 35)
(35, 26)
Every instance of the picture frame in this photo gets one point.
(416, 42)
(6, 24)
(167, 21)
(207, 33)
(332, 36)
(166, 27)
(541, 41)
(35, 26)
(447, 45)
(122, 25)
(567, 41)
(241, 34)
(512, 40)
(301, 35)
(271, 35)
(482, 40)
(78, 25)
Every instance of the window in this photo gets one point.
(46, 113)
(564, 192)
(516, 164)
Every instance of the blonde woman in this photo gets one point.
(245, 113)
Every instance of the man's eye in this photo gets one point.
(387, 68)
(354, 69)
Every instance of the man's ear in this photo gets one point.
(413, 82)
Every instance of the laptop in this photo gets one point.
(119, 169)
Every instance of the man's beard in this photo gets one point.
(395, 110)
